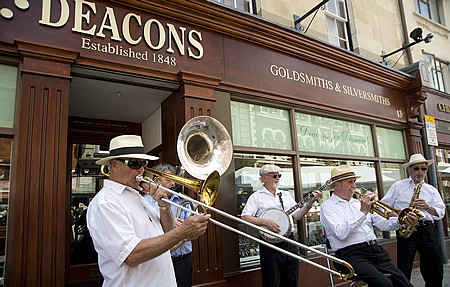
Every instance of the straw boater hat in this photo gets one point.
(268, 168)
(342, 172)
(126, 146)
(417, 158)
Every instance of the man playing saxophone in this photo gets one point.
(425, 238)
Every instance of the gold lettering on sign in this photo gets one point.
(180, 37)
(444, 107)
(319, 82)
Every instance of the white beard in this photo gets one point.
(276, 185)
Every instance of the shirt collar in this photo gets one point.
(117, 187)
(336, 199)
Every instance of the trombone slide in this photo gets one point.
(335, 273)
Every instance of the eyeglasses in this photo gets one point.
(422, 168)
(275, 176)
(134, 163)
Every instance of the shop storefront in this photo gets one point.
(77, 73)
(437, 109)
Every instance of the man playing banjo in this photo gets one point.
(277, 269)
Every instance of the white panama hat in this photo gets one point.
(417, 158)
(126, 146)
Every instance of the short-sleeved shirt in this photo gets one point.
(118, 218)
(262, 199)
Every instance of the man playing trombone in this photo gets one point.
(425, 238)
(348, 226)
(131, 240)
(277, 269)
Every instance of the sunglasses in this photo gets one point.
(134, 163)
(422, 168)
(275, 176)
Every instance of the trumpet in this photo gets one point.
(383, 210)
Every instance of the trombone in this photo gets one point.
(175, 179)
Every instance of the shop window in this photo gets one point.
(390, 143)
(248, 181)
(314, 173)
(8, 79)
(436, 70)
(87, 180)
(432, 9)
(443, 167)
(326, 135)
(260, 126)
(5, 167)
(243, 5)
(336, 20)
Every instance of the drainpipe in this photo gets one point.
(405, 32)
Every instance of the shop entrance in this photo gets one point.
(103, 104)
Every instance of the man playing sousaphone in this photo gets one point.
(277, 269)
(425, 238)
(349, 225)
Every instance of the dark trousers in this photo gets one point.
(370, 264)
(425, 240)
(183, 270)
(278, 269)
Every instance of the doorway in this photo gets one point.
(102, 105)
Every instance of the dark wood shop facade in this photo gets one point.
(285, 98)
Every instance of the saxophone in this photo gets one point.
(408, 230)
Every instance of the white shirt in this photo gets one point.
(262, 199)
(401, 192)
(345, 224)
(118, 218)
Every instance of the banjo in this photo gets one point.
(284, 218)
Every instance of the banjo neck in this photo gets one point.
(307, 198)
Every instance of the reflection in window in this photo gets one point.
(327, 135)
(443, 166)
(259, 126)
(390, 143)
(247, 181)
(392, 172)
(87, 180)
(8, 78)
(314, 173)
(5, 167)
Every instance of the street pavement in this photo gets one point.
(417, 280)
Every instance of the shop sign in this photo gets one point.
(443, 107)
(119, 33)
(431, 130)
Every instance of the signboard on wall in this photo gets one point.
(431, 130)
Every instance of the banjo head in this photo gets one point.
(281, 218)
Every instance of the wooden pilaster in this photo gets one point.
(37, 223)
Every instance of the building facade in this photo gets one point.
(74, 74)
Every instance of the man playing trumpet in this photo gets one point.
(425, 239)
(348, 224)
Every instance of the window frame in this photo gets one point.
(338, 20)
(298, 155)
(417, 7)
